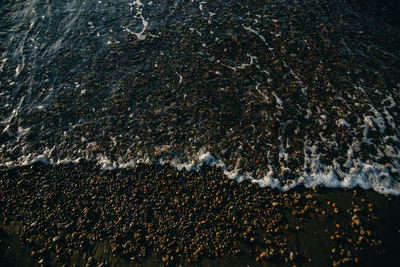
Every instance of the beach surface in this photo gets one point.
(80, 215)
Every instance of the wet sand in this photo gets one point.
(81, 215)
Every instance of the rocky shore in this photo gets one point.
(80, 215)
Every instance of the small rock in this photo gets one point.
(264, 255)
(291, 256)
(225, 152)
(346, 260)
(356, 220)
(75, 235)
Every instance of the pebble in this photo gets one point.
(264, 255)
(291, 256)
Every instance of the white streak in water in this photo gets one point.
(201, 5)
(139, 35)
(2, 63)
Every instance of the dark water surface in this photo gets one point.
(282, 92)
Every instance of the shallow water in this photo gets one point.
(280, 92)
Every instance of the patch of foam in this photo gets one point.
(205, 158)
(364, 175)
(139, 8)
(14, 114)
(106, 163)
(268, 181)
(378, 119)
(22, 132)
(262, 38)
(353, 173)
(29, 160)
(245, 65)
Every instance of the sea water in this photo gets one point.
(280, 92)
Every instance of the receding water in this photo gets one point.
(280, 92)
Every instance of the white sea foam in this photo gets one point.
(245, 65)
(364, 175)
(139, 8)
(262, 38)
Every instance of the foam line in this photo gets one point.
(366, 176)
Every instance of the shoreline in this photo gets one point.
(153, 215)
